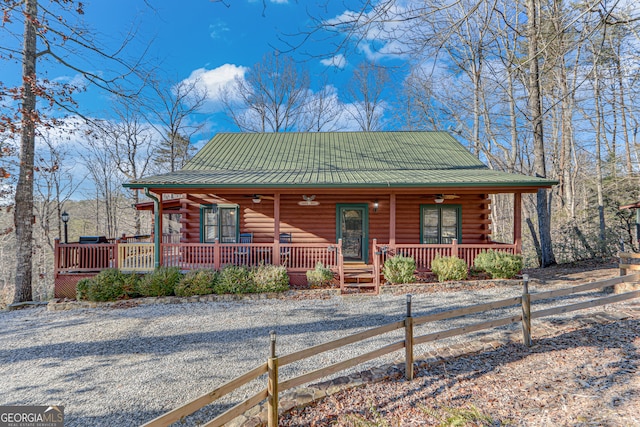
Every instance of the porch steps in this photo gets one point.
(359, 278)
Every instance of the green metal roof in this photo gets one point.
(336, 159)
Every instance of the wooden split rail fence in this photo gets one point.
(275, 386)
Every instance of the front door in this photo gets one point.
(353, 229)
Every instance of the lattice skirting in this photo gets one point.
(65, 284)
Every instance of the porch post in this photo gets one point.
(392, 220)
(156, 224)
(159, 239)
(517, 222)
(276, 229)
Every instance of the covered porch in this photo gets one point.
(355, 253)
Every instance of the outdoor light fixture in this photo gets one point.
(65, 220)
(256, 199)
(439, 198)
(375, 205)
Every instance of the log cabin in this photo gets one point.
(346, 199)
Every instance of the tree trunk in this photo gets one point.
(23, 215)
(535, 112)
(599, 178)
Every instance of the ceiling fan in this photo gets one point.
(449, 196)
(440, 198)
(308, 201)
(257, 198)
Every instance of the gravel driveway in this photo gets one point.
(125, 366)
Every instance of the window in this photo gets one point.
(440, 224)
(219, 222)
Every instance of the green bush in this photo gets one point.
(82, 289)
(197, 282)
(399, 269)
(161, 282)
(130, 285)
(449, 268)
(320, 276)
(105, 286)
(500, 265)
(235, 279)
(270, 278)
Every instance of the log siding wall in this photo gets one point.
(317, 224)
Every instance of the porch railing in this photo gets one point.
(294, 256)
(79, 258)
(424, 254)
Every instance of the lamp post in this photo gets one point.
(65, 220)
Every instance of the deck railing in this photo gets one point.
(296, 257)
(78, 258)
(424, 254)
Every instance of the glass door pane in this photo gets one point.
(352, 232)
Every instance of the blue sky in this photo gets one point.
(207, 39)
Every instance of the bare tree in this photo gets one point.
(323, 111)
(128, 143)
(58, 30)
(270, 98)
(173, 106)
(365, 91)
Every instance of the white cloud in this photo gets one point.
(218, 29)
(338, 61)
(378, 34)
(213, 81)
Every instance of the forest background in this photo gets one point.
(539, 87)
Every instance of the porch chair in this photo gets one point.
(284, 252)
(244, 252)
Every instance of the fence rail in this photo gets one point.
(275, 386)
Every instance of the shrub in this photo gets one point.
(270, 278)
(449, 268)
(161, 282)
(235, 279)
(500, 265)
(320, 276)
(399, 269)
(130, 285)
(197, 282)
(105, 286)
(82, 289)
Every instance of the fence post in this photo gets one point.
(622, 258)
(272, 384)
(408, 341)
(526, 311)
(454, 248)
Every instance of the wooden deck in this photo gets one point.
(75, 260)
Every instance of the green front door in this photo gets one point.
(353, 229)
